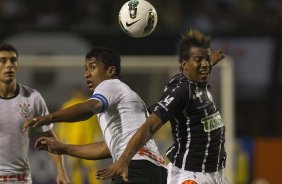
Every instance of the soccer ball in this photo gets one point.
(138, 18)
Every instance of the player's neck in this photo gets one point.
(8, 90)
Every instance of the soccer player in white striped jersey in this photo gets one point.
(17, 104)
(120, 112)
(197, 155)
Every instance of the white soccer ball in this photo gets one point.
(138, 18)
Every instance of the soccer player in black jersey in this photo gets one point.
(197, 154)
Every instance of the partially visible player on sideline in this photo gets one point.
(17, 104)
(197, 154)
(120, 112)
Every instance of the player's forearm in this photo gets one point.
(59, 162)
(57, 159)
(141, 137)
(137, 141)
(93, 151)
(74, 113)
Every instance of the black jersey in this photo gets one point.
(197, 128)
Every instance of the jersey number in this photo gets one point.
(168, 100)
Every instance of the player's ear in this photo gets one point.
(183, 62)
(111, 71)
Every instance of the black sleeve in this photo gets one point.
(173, 101)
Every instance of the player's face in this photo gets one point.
(198, 66)
(95, 73)
(8, 66)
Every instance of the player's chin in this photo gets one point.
(203, 78)
(90, 88)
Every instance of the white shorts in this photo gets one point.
(180, 176)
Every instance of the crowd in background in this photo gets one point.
(215, 16)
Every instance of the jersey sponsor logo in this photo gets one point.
(14, 178)
(212, 122)
(24, 109)
(143, 151)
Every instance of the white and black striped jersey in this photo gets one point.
(197, 128)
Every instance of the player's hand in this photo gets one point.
(37, 121)
(63, 179)
(50, 144)
(116, 169)
(216, 56)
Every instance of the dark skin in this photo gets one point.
(197, 68)
(87, 151)
(87, 109)
(216, 56)
(95, 73)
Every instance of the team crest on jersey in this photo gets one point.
(24, 109)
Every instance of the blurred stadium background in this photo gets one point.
(53, 36)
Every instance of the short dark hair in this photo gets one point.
(9, 48)
(108, 57)
(191, 38)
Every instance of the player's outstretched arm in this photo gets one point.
(139, 139)
(75, 113)
(216, 56)
(93, 151)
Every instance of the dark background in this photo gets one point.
(247, 30)
(96, 22)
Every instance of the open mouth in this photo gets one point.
(89, 84)
(204, 72)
